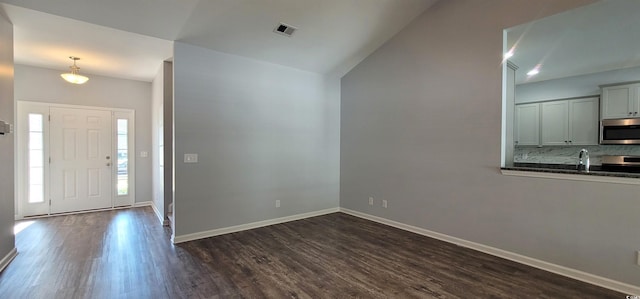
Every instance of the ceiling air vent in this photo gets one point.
(285, 29)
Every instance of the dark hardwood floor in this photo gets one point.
(127, 254)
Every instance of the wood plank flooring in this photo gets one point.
(127, 254)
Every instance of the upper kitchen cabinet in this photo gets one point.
(555, 124)
(621, 101)
(570, 122)
(584, 121)
(527, 131)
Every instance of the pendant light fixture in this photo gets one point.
(74, 77)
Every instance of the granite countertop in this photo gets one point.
(568, 169)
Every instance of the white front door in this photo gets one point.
(80, 151)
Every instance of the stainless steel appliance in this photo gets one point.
(620, 163)
(620, 131)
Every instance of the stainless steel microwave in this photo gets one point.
(620, 131)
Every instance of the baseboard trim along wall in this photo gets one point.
(557, 269)
(143, 204)
(248, 226)
(152, 204)
(8, 258)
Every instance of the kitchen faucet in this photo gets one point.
(583, 160)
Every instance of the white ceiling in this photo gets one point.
(125, 38)
(46, 40)
(593, 38)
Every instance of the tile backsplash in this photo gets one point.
(569, 154)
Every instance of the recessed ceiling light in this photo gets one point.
(509, 54)
(534, 71)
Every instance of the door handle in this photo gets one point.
(108, 157)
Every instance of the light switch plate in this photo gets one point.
(5, 128)
(144, 154)
(190, 158)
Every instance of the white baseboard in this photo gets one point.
(143, 204)
(557, 269)
(152, 204)
(75, 213)
(158, 214)
(8, 258)
(252, 225)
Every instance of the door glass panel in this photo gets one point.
(35, 140)
(36, 158)
(122, 141)
(35, 122)
(36, 193)
(123, 157)
(36, 175)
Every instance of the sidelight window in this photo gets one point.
(123, 158)
(36, 158)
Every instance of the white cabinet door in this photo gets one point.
(527, 130)
(634, 104)
(619, 101)
(583, 121)
(555, 123)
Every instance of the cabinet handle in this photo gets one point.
(565, 141)
(630, 113)
(635, 113)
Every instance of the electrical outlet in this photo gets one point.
(370, 201)
(384, 203)
(277, 203)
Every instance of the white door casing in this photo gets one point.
(80, 151)
(33, 166)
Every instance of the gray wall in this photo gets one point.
(45, 85)
(421, 125)
(262, 132)
(7, 241)
(570, 87)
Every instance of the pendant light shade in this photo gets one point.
(74, 76)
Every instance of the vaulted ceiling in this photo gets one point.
(129, 38)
